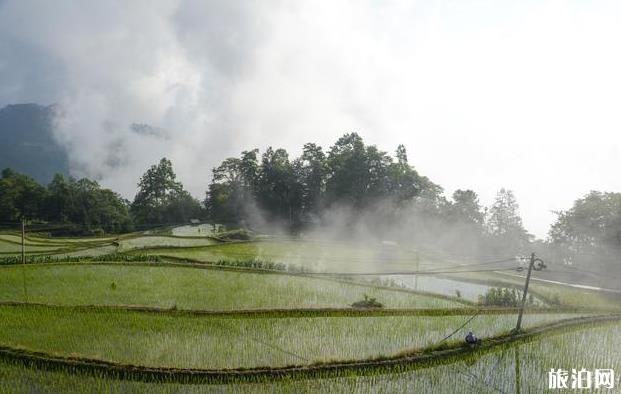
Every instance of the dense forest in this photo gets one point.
(348, 187)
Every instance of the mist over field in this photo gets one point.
(278, 196)
(483, 95)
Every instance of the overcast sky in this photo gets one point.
(524, 95)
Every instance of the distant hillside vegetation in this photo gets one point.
(27, 144)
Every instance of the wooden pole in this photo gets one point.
(530, 270)
(24, 259)
(23, 242)
(416, 276)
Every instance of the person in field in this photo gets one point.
(470, 338)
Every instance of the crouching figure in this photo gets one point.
(471, 339)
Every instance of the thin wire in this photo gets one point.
(277, 348)
(460, 327)
(507, 260)
(406, 272)
(363, 259)
(604, 276)
(254, 339)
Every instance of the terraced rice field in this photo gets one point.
(10, 244)
(163, 241)
(312, 255)
(522, 365)
(217, 343)
(191, 288)
(179, 314)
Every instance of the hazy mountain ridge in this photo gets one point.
(27, 143)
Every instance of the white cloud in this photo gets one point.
(484, 94)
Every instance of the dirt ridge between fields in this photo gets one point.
(302, 312)
(414, 359)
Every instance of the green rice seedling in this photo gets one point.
(315, 256)
(520, 367)
(190, 288)
(184, 341)
(163, 241)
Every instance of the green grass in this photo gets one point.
(191, 288)
(11, 243)
(30, 240)
(344, 257)
(162, 241)
(490, 373)
(94, 251)
(13, 248)
(567, 296)
(214, 342)
(310, 254)
(35, 239)
(313, 255)
(182, 340)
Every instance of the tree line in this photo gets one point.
(311, 190)
(83, 207)
(297, 191)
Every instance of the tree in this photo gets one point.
(86, 204)
(224, 199)
(311, 170)
(275, 192)
(360, 175)
(504, 224)
(591, 229)
(466, 208)
(21, 197)
(232, 189)
(182, 208)
(347, 179)
(300, 190)
(97, 209)
(82, 205)
(504, 217)
(378, 180)
(58, 204)
(249, 172)
(405, 183)
(161, 198)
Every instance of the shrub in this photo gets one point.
(503, 297)
(233, 235)
(367, 303)
(10, 260)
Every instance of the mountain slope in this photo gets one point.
(27, 144)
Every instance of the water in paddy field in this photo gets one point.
(195, 230)
(467, 290)
(432, 284)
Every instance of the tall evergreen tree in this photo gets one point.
(161, 198)
(312, 171)
(504, 223)
(233, 188)
(276, 189)
(466, 208)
